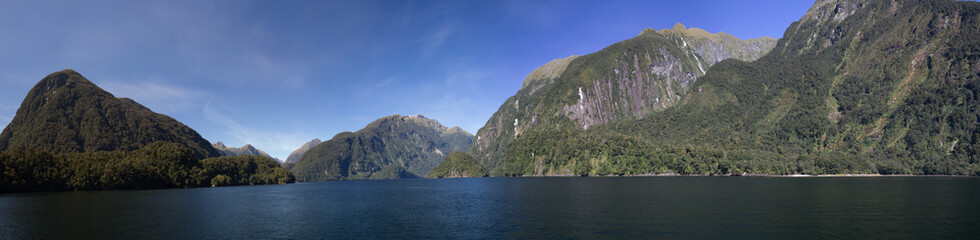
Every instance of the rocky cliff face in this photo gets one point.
(627, 80)
(248, 149)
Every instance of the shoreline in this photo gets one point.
(729, 175)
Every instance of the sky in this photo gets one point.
(276, 74)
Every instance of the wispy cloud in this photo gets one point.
(452, 110)
(275, 143)
(468, 79)
(368, 89)
(539, 13)
(435, 40)
(157, 95)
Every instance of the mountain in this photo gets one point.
(627, 80)
(248, 149)
(70, 135)
(872, 87)
(390, 147)
(67, 113)
(296, 155)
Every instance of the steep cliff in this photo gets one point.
(624, 81)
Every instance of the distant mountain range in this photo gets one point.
(298, 153)
(390, 147)
(248, 149)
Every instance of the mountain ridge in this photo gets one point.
(390, 147)
(247, 149)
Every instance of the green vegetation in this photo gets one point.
(890, 88)
(157, 165)
(458, 164)
(390, 147)
(245, 170)
(66, 113)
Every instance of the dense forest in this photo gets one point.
(157, 165)
(458, 164)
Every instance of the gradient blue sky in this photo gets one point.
(277, 74)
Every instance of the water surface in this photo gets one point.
(630, 207)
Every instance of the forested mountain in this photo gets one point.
(298, 153)
(248, 149)
(69, 134)
(889, 87)
(66, 113)
(627, 80)
(391, 147)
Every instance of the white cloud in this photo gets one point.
(277, 144)
(156, 95)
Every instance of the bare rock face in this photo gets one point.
(626, 80)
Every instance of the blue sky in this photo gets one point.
(277, 74)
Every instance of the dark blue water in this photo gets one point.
(535, 208)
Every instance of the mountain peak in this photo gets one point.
(247, 149)
(65, 78)
(457, 129)
(679, 27)
(549, 70)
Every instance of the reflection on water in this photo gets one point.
(648, 207)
